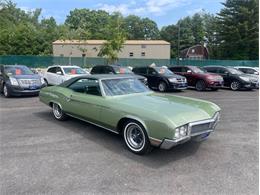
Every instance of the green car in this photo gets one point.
(123, 105)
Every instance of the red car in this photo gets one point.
(199, 78)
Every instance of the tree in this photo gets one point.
(115, 39)
(238, 29)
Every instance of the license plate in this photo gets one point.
(33, 87)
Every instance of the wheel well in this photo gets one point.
(51, 104)
(122, 121)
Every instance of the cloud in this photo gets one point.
(27, 9)
(156, 7)
(194, 11)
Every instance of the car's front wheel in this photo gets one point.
(235, 85)
(200, 85)
(58, 112)
(136, 138)
(162, 86)
(6, 91)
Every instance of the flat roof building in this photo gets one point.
(142, 49)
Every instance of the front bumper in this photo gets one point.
(250, 85)
(19, 91)
(215, 84)
(193, 135)
(178, 86)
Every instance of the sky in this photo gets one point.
(163, 12)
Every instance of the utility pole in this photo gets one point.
(179, 30)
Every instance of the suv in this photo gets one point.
(199, 78)
(161, 78)
(233, 78)
(115, 69)
(57, 74)
(17, 80)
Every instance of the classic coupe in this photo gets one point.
(123, 105)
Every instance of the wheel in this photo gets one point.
(6, 91)
(136, 138)
(162, 86)
(235, 85)
(214, 89)
(200, 85)
(46, 82)
(58, 113)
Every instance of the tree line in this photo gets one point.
(230, 34)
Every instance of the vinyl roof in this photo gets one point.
(100, 42)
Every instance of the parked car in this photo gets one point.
(18, 80)
(161, 78)
(199, 78)
(115, 69)
(57, 74)
(248, 70)
(233, 78)
(123, 105)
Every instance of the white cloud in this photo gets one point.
(194, 11)
(157, 7)
(27, 9)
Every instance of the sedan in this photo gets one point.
(123, 105)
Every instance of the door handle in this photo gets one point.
(68, 98)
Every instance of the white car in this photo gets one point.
(57, 74)
(248, 70)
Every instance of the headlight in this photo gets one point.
(245, 78)
(42, 80)
(13, 81)
(173, 80)
(181, 131)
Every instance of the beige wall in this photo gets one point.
(151, 51)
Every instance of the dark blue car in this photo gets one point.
(18, 80)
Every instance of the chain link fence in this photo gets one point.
(45, 61)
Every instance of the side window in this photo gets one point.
(108, 70)
(151, 71)
(59, 71)
(176, 69)
(184, 69)
(95, 70)
(87, 86)
(222, 70)
(52, 70)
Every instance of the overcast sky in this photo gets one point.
(163, 12)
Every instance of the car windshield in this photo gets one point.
(163, 71)
(196, 69)
(123, 86)
(122, 70)
(74, 70)
(17, 70)
(234, 71)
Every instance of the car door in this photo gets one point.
(225, 74)
(1, 78)
(187, 72)
(50, 74)
(85, 100)
(153, 77)
(59, 76)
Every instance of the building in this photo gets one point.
(196, 52)
(144, 49)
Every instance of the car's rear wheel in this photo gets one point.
(58, 112)
(162, 86)
(235, 85)
(136, 138)
(6, 91)
(200, 85)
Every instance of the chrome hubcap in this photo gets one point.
(234, 85)
(57, 111)
(135, 136)
(161, 87)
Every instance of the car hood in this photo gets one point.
(207, 74)
(179, 110)
(33, 76)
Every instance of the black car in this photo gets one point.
(17, 80)
(234, 78)
(115, 69)
(162, 78)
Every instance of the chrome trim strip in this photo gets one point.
(116, 132)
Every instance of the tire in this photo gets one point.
(200, 85)
(135, 138)
(6, 91)
(162, 87)
(58, 112)
(235, 85)
(46, 82)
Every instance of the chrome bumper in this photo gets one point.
(196, 136)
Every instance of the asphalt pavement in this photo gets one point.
(40, 155)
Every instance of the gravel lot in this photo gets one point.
(40, 155)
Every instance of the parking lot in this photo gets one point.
(42, 155)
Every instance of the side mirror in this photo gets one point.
(59, 73)
(256, 73)
(154, 73)
(189, 71)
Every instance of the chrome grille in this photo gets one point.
(201, 127)
(29, 82)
